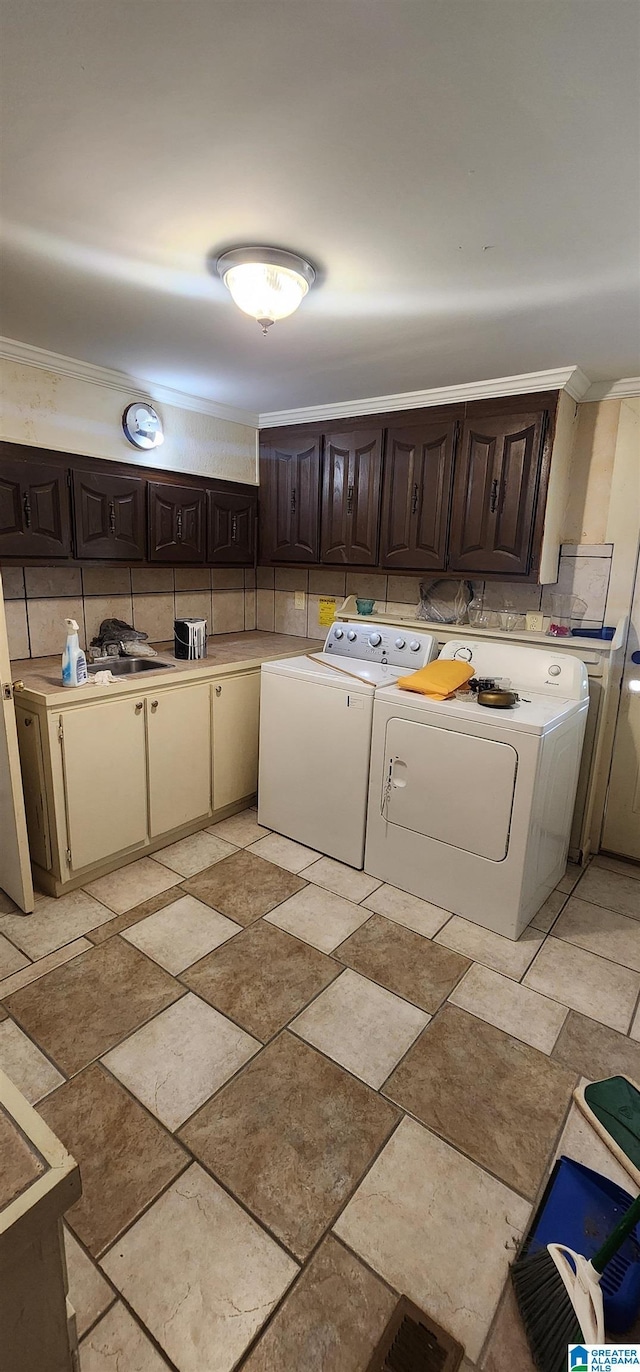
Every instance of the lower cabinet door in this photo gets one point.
(105, 778)
(34, 786)
(179, 744)
(236, 719)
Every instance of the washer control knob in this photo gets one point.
(463, 654)
(415, 645)
(339, 633)
(375, 640)
(401, 643)
(352, 635)
(555, 670)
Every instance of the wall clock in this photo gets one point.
(142, 426)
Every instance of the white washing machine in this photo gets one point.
(315, 733)
(470, 807)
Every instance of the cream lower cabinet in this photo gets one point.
(179, 755)
(105, 778)
(236, 719)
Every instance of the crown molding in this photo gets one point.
(614, 390)
(570, 379)
(30, 356)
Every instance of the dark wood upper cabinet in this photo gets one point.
(231, 527)
(177, 517)
(351, 480)
(495, 491)
(290, 499)
(418, 471)
(108, 516)
(34, 508)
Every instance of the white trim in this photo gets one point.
(614, 390)
(30, 356)
(571, 379)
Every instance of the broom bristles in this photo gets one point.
(549, 1319)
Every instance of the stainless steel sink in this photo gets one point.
(128, 666)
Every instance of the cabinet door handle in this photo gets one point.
(154, 704)
(179, 525)
(27, 510)
(350, 490)
(293, 500)
(139, 705)
(112, 517)
(234, 529)
(495, 486)
(414, 502)
(218, 690)
(27, 722)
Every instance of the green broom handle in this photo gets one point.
(617, 1238)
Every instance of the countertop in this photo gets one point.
(41, 684)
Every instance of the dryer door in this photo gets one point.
(452, 787)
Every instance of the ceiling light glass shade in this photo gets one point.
(266, 283)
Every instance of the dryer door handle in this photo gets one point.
(398, 773)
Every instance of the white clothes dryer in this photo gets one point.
(315, 733)
(470, 807)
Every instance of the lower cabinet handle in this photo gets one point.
(139, 705)
(218, 690)
(154, 704)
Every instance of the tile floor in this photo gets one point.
(294, 1092)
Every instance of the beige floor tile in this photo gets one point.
(118, 1342)
(578, 1140)
(584, 982)
(548, 913)
(240, 830)
(523, 1013)
(11, 959)
(507, 1349)
(571, 877)
(414, 913)
(318, 917)
(344, 881)
(413, 967)
(624, 869)
(34, 970)
(123, 889)
(362, 1026)
(181, 933)
(504, 955)
(27, 1067)
(419, 1198)
(174, 1063)
(611, 889)
(284, 852)
(89, 1293)
(54, 922)
(595, 1051)
(600, 931)
(192, 854)
(200, 1273)
(635, 1027)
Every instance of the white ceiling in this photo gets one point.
(464, 172)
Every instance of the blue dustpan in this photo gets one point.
(580, 1208)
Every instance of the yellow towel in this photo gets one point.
(439, 680)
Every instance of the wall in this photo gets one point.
(47, 409)
(39, 599)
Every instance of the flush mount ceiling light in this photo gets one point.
(267, 283)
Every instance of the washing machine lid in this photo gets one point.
(536, 714)
(354, 676)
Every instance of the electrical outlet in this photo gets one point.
(300, 600)
(534, 622)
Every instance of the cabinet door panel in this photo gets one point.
(108, 516)
(179, 743)
(290, 500)
(34, 786)
(231, 521)
(176, 523)
(417, 490)
(103, 751)
(236, 719)
(351, 498)
(34, 510)
(495, 491)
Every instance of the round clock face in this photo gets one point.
(142, 426)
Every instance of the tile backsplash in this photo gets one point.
(584, 571)
(39, 599)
